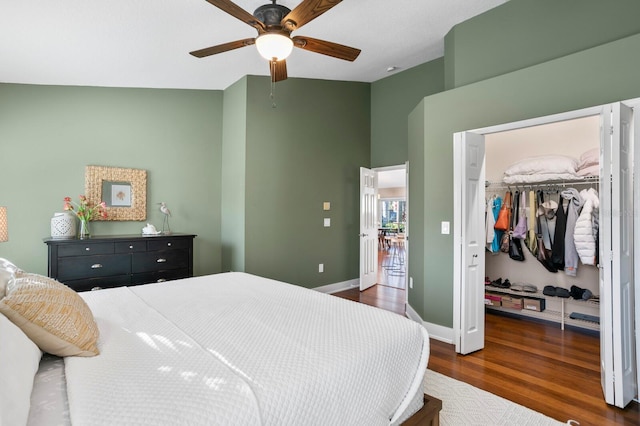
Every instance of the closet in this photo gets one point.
(619, 237)
(572, 139)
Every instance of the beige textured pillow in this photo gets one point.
(55, 317)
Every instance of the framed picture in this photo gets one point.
(123, 190)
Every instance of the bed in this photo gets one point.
(236, 348)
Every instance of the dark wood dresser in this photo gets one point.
(120, 260)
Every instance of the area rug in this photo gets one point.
(463, 404)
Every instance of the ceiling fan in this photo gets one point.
(274, 24)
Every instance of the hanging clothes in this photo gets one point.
(586, 229)
(573, 208)
(489, 222)
(557, 251)
(531, 241)
(493, 236)
(548, 225)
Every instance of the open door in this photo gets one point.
(468, 239)
(368, 228)
(617, 315)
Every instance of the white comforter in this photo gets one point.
(243, 350)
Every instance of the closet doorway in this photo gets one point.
(616, 284)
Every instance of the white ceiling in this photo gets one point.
(392, 178)
(145, 43)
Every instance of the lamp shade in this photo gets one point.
(4, 225)
(272, 46)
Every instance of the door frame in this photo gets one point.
(461, 287)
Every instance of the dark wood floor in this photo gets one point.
(533, 364)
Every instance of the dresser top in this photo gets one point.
(111, 238)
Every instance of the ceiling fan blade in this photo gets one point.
(326, 48)
(305, 12)
(278, 70)
(239, 13)
(208, 51)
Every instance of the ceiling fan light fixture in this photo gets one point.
(276, 46)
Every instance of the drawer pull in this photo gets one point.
(131, 247)
(96, 288)
(87, 248)
(168, 244)
(161, 280)
(96, 266)
(161, 260)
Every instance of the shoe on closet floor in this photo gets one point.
(517, 287)
(550, 290)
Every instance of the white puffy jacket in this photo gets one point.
(586, 230)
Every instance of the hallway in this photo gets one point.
(391, 266)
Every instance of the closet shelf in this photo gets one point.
(498, 185)
(540, 295)
(549, 315)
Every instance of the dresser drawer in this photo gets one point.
(86, 249)
(160, 276)
(181, 243)
(130, 246)
(99, 283)
(159, 261)
(76, 267)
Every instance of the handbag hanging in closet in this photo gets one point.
(515, 245)
(544, 255)
(504, 217)
(520, 229)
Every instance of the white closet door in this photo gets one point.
(617, 341)
(469, 237)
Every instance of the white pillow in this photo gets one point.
(19, 359)
(7, 269)
(543, 164)
(589, 158)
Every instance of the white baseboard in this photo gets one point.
(336, 287)
(436, 332)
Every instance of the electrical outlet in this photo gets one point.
(327, 222)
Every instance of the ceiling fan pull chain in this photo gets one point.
(272, 95)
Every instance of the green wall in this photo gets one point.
(302, 152)
(596, 76)
(48, 134)
(522, 33)
(392, 99)
(234, 152)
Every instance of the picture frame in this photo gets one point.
(123, 190)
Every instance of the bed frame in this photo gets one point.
(428, 415)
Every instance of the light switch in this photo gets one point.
(444, 227)
(327, 222)
(326, 205)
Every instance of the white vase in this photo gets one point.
(63, 225)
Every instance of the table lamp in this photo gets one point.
(4, 225)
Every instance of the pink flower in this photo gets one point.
(86, 210)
